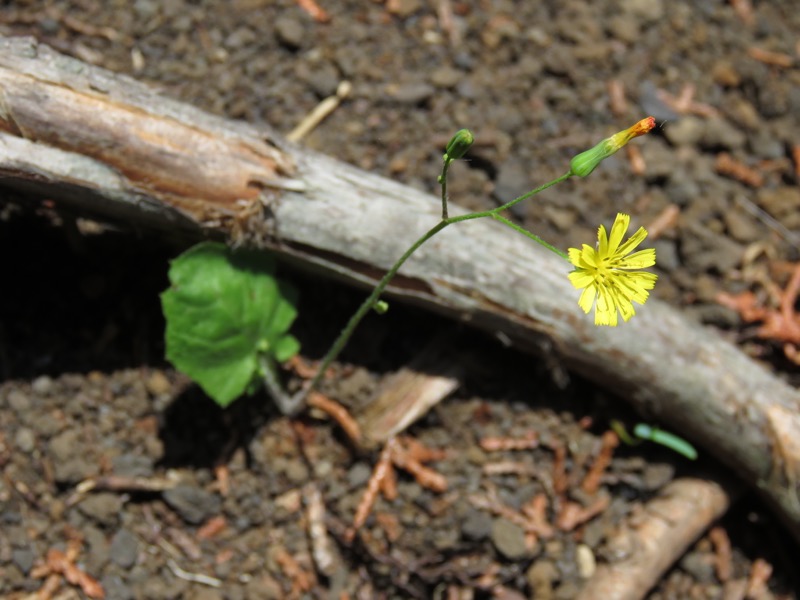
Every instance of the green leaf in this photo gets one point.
(223, 308)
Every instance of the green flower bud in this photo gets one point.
(380, 307)
(459, 144)
(586, 162)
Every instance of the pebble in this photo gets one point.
(541, 575)
(719, 134)
(477, 525)
(410, 93)
(132, 465)
(157, 383)
(585, 561)
(403, 8)
(124, 549)
(193, 504)
(42, 385)
(509, 539)
(115, 587)
(290, 32)
(685, 131)
(23, 558)
(25, 440)
(19, 401)
(104, 508)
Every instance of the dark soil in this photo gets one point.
(87, 391)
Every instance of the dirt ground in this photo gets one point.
(223, 508)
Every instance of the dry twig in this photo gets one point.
(727, 165)
(647, 546)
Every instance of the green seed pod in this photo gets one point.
(459, 144)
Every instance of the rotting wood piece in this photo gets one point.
(334, 218)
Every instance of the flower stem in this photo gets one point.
(338, 345)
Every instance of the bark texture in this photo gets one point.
(108, 146)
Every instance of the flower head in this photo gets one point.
(607, 273)
(586, 162)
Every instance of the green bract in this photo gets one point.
(224, 310)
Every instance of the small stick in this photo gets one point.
(617, 101)
(775, 59)
(727, 165)
(318, 114)
(320, 544)
(338, 413)
(319, 14)
(722, 547)
(591, 482)
(193, 577)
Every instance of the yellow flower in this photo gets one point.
(605, 274)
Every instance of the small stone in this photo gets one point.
(132, 465)
(477, 525)
(741, 226)
(509, 539)
(116, 587)
(410, 93)
(19, 402)
(124, 549)
(584, 558)
(290, 32)
(700, 565)
(193, 504)
(23, 558)
(541, 575)
(42, 385)
(25, 440)
(403, 8)
(446, 77)
(157, 383)
(720, 134)
(104, 508)
(725, 74)
(358, 474)
(686, 131)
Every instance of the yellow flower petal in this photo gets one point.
(618, 230)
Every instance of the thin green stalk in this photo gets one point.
(530, 235)
(338, 345)
(443, 182)
(366, 306)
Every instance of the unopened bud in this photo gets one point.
(459, 144)
(586, 162)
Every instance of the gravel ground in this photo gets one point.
(87, 394)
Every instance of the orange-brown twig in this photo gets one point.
(497, 444)
(727, 165)
(319, 14)
(684, 102)
(382, 468)
(338, 413)
(760, 572)
(722, 550)
(591, 482)
(781, 324)
(62, 564)
(774, 59)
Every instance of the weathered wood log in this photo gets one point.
(108, 146)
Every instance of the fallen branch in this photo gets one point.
(102, 144)
(650, 543)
